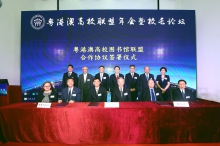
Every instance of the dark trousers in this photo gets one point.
(166, 95)
(85, 94)
(134, 95)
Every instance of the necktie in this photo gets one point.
(132, 75)
(117, 77)
(121, 92)
(152, 95)
(147, 77)
(101, 77)
(183, 94)
(97, 90)
(69, 74)
(69, 95)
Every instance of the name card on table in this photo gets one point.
(181, 104)
(43, 105)
(111, 104)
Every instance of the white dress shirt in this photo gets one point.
(85, 76)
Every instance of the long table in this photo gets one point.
(132, 122)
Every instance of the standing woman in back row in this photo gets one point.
(163, 83)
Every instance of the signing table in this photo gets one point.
(132, 122)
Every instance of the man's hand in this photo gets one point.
(59, 101)
(71, 101)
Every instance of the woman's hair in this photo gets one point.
(163, 68)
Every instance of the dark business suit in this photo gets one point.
(85, 86)
(113, 82)
(116, 95)
(66, 76)
(132, 83)
(101, 96)
(53, 97)
(75, 95)
(144, 81)
(177, 95)
(163, 84)
(146, 94)
(104, 80)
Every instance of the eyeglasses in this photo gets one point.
(46, 86)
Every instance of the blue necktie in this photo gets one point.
(147, 77)
(152, 95)
(101, 77)
(183, 94)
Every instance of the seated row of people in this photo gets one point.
(120, 93)
(133, 81)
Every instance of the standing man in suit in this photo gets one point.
(151, 93)
(145, 77)
(120, 93)
(132, 82)
(183, 94)
(97, 93)
(85, 83)
(114, 77)
(104, 78)
(70, 94)
(69, 74)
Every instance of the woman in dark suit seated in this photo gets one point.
(163, 83)
(48, 93)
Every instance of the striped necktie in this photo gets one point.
(152, 95)
(121, 92)
(182, 93)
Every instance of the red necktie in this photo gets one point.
(117, 77)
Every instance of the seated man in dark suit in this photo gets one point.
(182, 93)
(145, 77)
(97, 93)
(114, 77)
(104, 78)
(70, 74)
(70, 94)
(132, 82)
(120, 93)
(151, 93)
